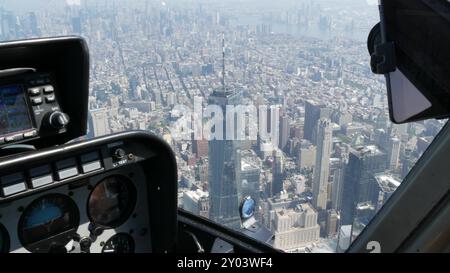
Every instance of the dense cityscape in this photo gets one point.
(335, 157)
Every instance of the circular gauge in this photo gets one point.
(48, 223)
(4, 240)
(112, 201)
(119, 243)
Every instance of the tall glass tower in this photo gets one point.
(223, 156)
(364, 162)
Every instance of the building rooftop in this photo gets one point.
(197, 194)
(299, 208)
(249, 163)
(367, 150)
(387, 182)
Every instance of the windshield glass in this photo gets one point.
(269, 99)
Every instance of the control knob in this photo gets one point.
(119, 154)
(58, 120)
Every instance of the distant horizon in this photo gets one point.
(24, 6)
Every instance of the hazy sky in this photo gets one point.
(30, 5)
(73, 2)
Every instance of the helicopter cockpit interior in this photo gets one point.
(61, 192)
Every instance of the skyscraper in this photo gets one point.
(223, 155)
(33, 24)
(338, 181)
(284, 131)
(364, 212)
(282, 200)
(322, 166)
(332, 222)
(313, 112)
(393, 153)
(277, 172)
(248, 175)
(76, 25)
(98, 122)
(384, 186)
(295, 227)
(363, 163)
(306, 155)
(196, 202)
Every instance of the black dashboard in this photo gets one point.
(44, 89)
(110, 194)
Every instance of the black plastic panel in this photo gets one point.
(67, 60)
(153, 155)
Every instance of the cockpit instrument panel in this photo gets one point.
(29, 108)
(14, 110)
(81, 198)
(112, 201)
(48, 222)
(44, 86)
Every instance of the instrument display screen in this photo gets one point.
(14, 111)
